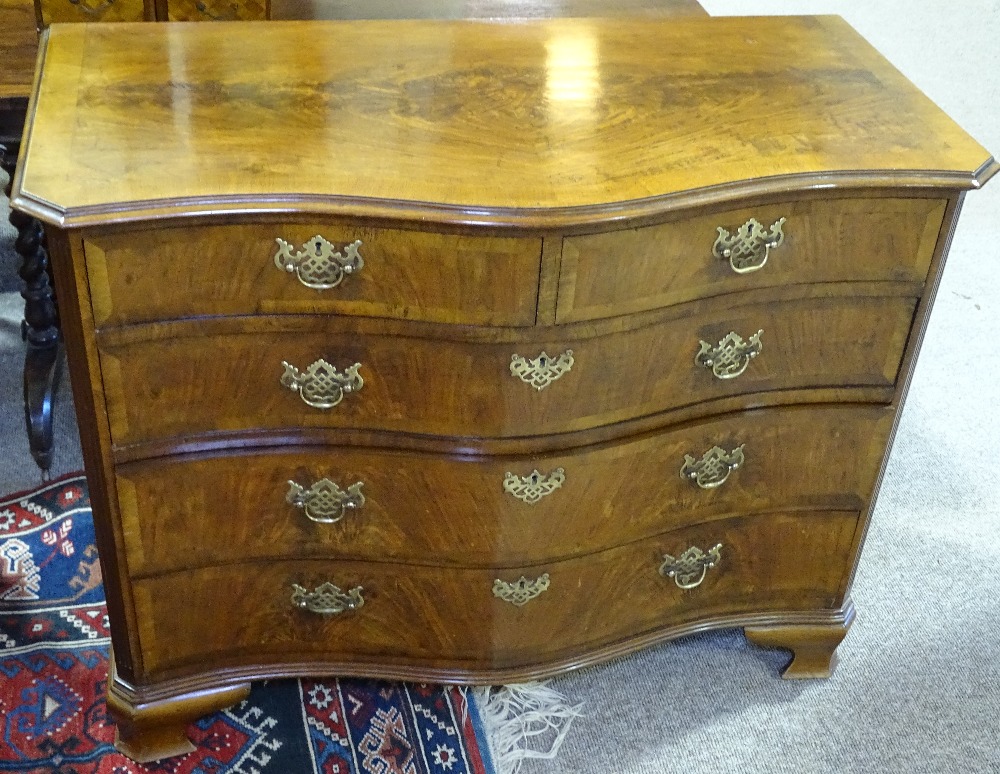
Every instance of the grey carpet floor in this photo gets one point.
(918, 686)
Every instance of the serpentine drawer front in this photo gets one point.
(264, 373)
(408, 366)
(417, 614)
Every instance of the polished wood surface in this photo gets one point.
(825, 240)
(210, 375)
(230, 270)
(566, 121)
(416, 614)
(449, 510)
(479, 9)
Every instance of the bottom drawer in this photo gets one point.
(430, 621)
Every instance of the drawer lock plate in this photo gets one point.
(541, 371)
(533, 487)
(521, 591)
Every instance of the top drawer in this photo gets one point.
(838, 240)
(233, 270)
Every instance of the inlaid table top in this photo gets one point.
(549, 121)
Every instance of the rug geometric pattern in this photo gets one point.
(54, 642)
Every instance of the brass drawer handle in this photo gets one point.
(93, 10)
(731, 356)
(327, 599)
(321, 385)
(318, 264)
(749, 248)
(533, 487)
(713, 468)
(689, 569)
(324, 501)
(541, 371)
(521, 591)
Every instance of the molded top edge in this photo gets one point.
(566, 123)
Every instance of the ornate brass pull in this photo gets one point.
(713, 468)
(521, 591)
(318, 264)
(327, 599)
(533, 487)
(321, 385)
(731, 356)
(324, 501)
(689, 569)
(749, 248)
(541, 371)
(93, 10)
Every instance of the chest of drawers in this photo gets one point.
(490, 352)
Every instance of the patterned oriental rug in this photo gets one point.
(54, 664)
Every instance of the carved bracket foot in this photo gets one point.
(149, 730)
(813, 646)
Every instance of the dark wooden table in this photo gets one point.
(40, 329)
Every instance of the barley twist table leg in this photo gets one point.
(40, 329)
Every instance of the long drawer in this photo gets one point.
(835, 240)
(247, 614)
(272, 505)
(232, 270)
(207, 380)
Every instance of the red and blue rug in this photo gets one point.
(54, 666)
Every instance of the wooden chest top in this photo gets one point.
(564, 122)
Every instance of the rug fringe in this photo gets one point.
(528, 720)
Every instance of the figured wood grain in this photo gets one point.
(825, 240)
(61, 11)
(565, 119)
(230, 270)
(217, 10)
(424, 508)
(427, 616)
(18, 48)
(479, 9)
(77, 327)
(201, 382)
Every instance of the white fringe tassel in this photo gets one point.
(521, 721)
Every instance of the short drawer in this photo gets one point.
(242, 615)
(838, 240)
(228, 377)
(233, 270)
(218, 10)
(180, 513)
(53, 11)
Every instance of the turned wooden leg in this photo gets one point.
(40, 329)
(150, 730)
(813, 646)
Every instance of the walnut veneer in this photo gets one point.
(622, 338)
